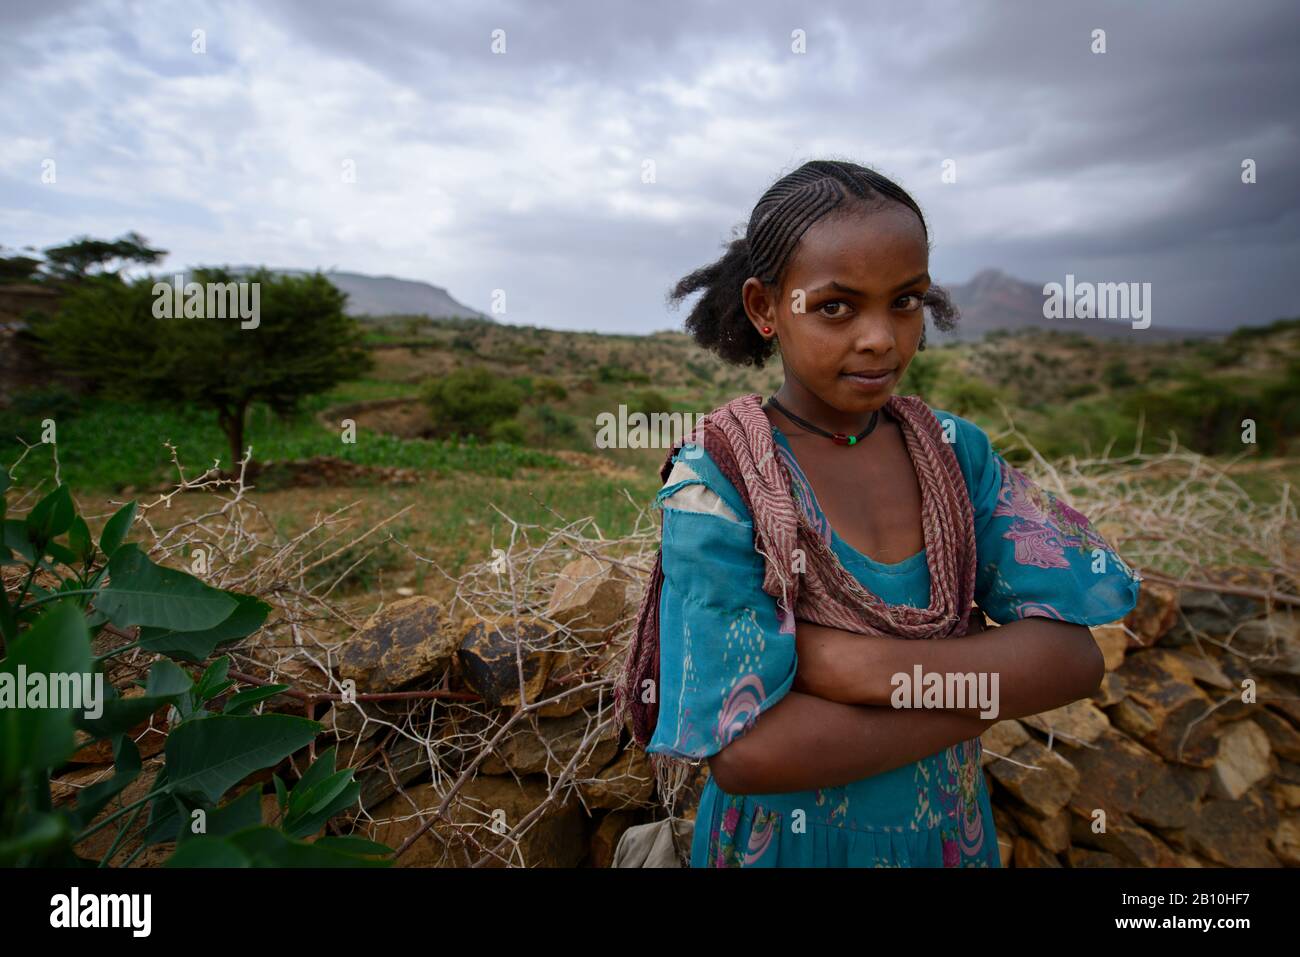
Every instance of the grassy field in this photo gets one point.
(1066, 394)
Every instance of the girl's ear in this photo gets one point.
(759, 307)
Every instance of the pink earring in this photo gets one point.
(767, 330)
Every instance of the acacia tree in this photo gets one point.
(303, 343)
(74, 260)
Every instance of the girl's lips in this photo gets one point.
(867, 382)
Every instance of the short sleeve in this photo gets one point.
(1037, 556)
(723, 659)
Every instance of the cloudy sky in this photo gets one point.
(522, 170)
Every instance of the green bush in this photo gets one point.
(470, 401)
(648, 401)
(215, 743)
(1116, 374)
(509, 431)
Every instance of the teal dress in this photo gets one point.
(725, 658)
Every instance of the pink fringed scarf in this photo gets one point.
(738, 437)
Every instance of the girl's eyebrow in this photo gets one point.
(834, 286)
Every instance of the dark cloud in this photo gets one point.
(1124, 165)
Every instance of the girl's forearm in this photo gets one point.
(1031, 665)
(807, 742)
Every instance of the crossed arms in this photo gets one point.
(836, 723)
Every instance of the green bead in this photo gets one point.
(853, 440)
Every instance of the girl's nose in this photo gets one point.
(873, 335)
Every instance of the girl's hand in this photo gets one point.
(826, 662)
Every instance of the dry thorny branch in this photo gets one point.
(1175, 517)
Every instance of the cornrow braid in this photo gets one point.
(779, 219)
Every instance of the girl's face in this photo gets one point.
(860, 280)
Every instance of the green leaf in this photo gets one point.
(319, 795)
(208, 851)
(207, 756)
(337, 794)
(197, 646)
(51, 516)
(40, 832)
(165, 814)
(268, 847)
(242, 702)
(92, 800)
(214, 680)
(79, 540)
(236, 815)
(16, 538)
(142, 593)
(37, 738)
(115, 529)
(353, 845)
(166, 685)
(61, 553)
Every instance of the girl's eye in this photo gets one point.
(838, 315)
(916, 305)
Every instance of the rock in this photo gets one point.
(1202, 613)
(549, 749)
(1052, 834)
(1242, 760)
(403, 761)
(557, 838)
(1235, 833)
(1112, 691)
(1045, 785)
(1001, 739)
(1286, 841)
(1077, 722)
(400, 644)
(1154, 614)
(1086, 857)
(1171, 798)
(1133, 719)
(590, 598)
(1112, 776)
(628, 782)
(605, 840)
(1026, 853)
(1126, 840)
(567, 671)
(1163, 686)
(1287, 795)
(1006, 848)
(1267, 637)
(1113, 640)
(491, 652)
(1201, 668)
(65, 788)
(1274, 694)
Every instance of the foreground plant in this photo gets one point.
(46, 635)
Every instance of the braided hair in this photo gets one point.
(818, 189)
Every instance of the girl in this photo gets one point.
(836, 512)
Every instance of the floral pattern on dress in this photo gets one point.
(1043, 526)
(724, 850)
